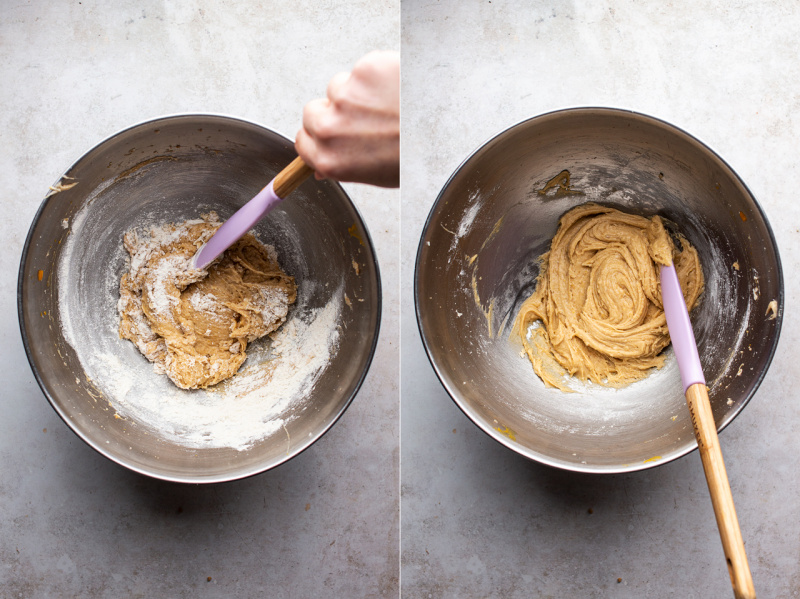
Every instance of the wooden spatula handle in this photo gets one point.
(291, 177)
(705, 429)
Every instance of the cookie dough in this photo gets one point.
(194, 325)
(596, 313)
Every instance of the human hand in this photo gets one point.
(354, 133)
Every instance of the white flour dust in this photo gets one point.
(269, 390)
(251, 405)
(465, 224)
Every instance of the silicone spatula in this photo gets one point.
(705, 430)
(284, 183)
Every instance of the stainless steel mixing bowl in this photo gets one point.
(168, 170)
(478, 260)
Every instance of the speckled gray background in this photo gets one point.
(73, 524)
(478, 521)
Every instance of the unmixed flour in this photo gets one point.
(243, 296)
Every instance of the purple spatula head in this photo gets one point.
(680, 329)
(237, 225)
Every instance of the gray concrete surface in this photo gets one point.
(478, 521)
(72, 524)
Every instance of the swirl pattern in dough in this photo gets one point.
(596, 313)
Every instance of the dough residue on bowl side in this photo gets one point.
(597, 313)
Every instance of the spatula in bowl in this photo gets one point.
(705, 430)
(248, 215)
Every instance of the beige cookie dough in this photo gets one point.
(194, 325)
(596, 313)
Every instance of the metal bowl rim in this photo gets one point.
(454, 393)
(97, 447)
